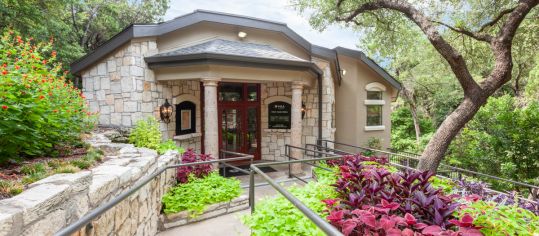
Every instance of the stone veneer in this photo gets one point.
(274, 140)
(59, 200)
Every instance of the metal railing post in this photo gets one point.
(252, 189)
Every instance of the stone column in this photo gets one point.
(296, 124)
(211, 129)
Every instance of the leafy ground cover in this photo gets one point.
(365, 196)
(146, 134)
(16, 177)
(198, 187)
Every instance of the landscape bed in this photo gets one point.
(366, 196)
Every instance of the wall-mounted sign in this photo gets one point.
(185, 118)
(279, 115)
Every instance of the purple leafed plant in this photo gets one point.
(198, 171)
(372, 200)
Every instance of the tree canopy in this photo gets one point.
(77, 26)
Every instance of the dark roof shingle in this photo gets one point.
(235, 48)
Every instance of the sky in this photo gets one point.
(276, 10)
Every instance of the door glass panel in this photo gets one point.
(230, 92)
(252, 92)
(231, 129)
(251, 130)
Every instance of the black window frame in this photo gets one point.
(185, 105)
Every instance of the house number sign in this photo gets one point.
(279, 115)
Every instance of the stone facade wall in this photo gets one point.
(274, 140)
(185, 90)
(121, 87)
(59, 200)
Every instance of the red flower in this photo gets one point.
(55, 111)
(17, 67)
(4, 72)
(53, 53)
(44, 62)
(4, 107)
(41, 97)
(4, 65)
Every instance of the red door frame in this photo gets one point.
(242, 106)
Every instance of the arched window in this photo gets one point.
(185, 118)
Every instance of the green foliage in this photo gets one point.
(501, 219)
(88, 160)
(277, 216)
(10, 187)
(169, 145)
(66, 169)
(33, 168)
(195, 195)
(78, 26)
(146, 134)
(39, 110)
(507, 136)
(447, 185)
(403, 136)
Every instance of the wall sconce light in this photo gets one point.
(343, 72)
(166, 112)
(242, 35)
(303, 110)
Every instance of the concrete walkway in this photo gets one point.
(229, 224)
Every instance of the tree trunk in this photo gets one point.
(450, 127)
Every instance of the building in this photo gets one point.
(237, 83)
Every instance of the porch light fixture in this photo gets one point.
(343, 72)
(242, 35)
(166, 112)
(303, 110)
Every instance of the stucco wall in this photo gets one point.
(350, 108)
(59, 200)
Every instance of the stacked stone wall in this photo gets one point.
(59, 200)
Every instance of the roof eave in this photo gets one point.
(212, 58)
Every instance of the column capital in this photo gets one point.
(297, 84)
(210, 81)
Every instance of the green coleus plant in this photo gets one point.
(40, 110)
(499, 219)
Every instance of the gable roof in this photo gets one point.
(153, 30)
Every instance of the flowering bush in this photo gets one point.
(198, 171)
(40, 110)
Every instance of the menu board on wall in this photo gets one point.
(279, 115)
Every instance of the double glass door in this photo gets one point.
(239, 113)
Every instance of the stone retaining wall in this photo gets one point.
(59, 200)
(218, 209)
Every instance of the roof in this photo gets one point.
(153, 30)
(226, 52)
(227, 47)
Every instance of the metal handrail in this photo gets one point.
(456, 169)
(315, 218)
(87, 219)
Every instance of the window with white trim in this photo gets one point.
(374, 103)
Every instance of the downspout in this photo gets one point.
(319, 141)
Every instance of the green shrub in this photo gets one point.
(10, 187)
(169, 145)
(146, 134)
(34, 177)
(39, 108)
(501, 219)
(446, 185)
(34, 168)
(66, 169)
(195, 195)
(277, 216)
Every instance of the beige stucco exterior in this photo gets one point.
(350, 108)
